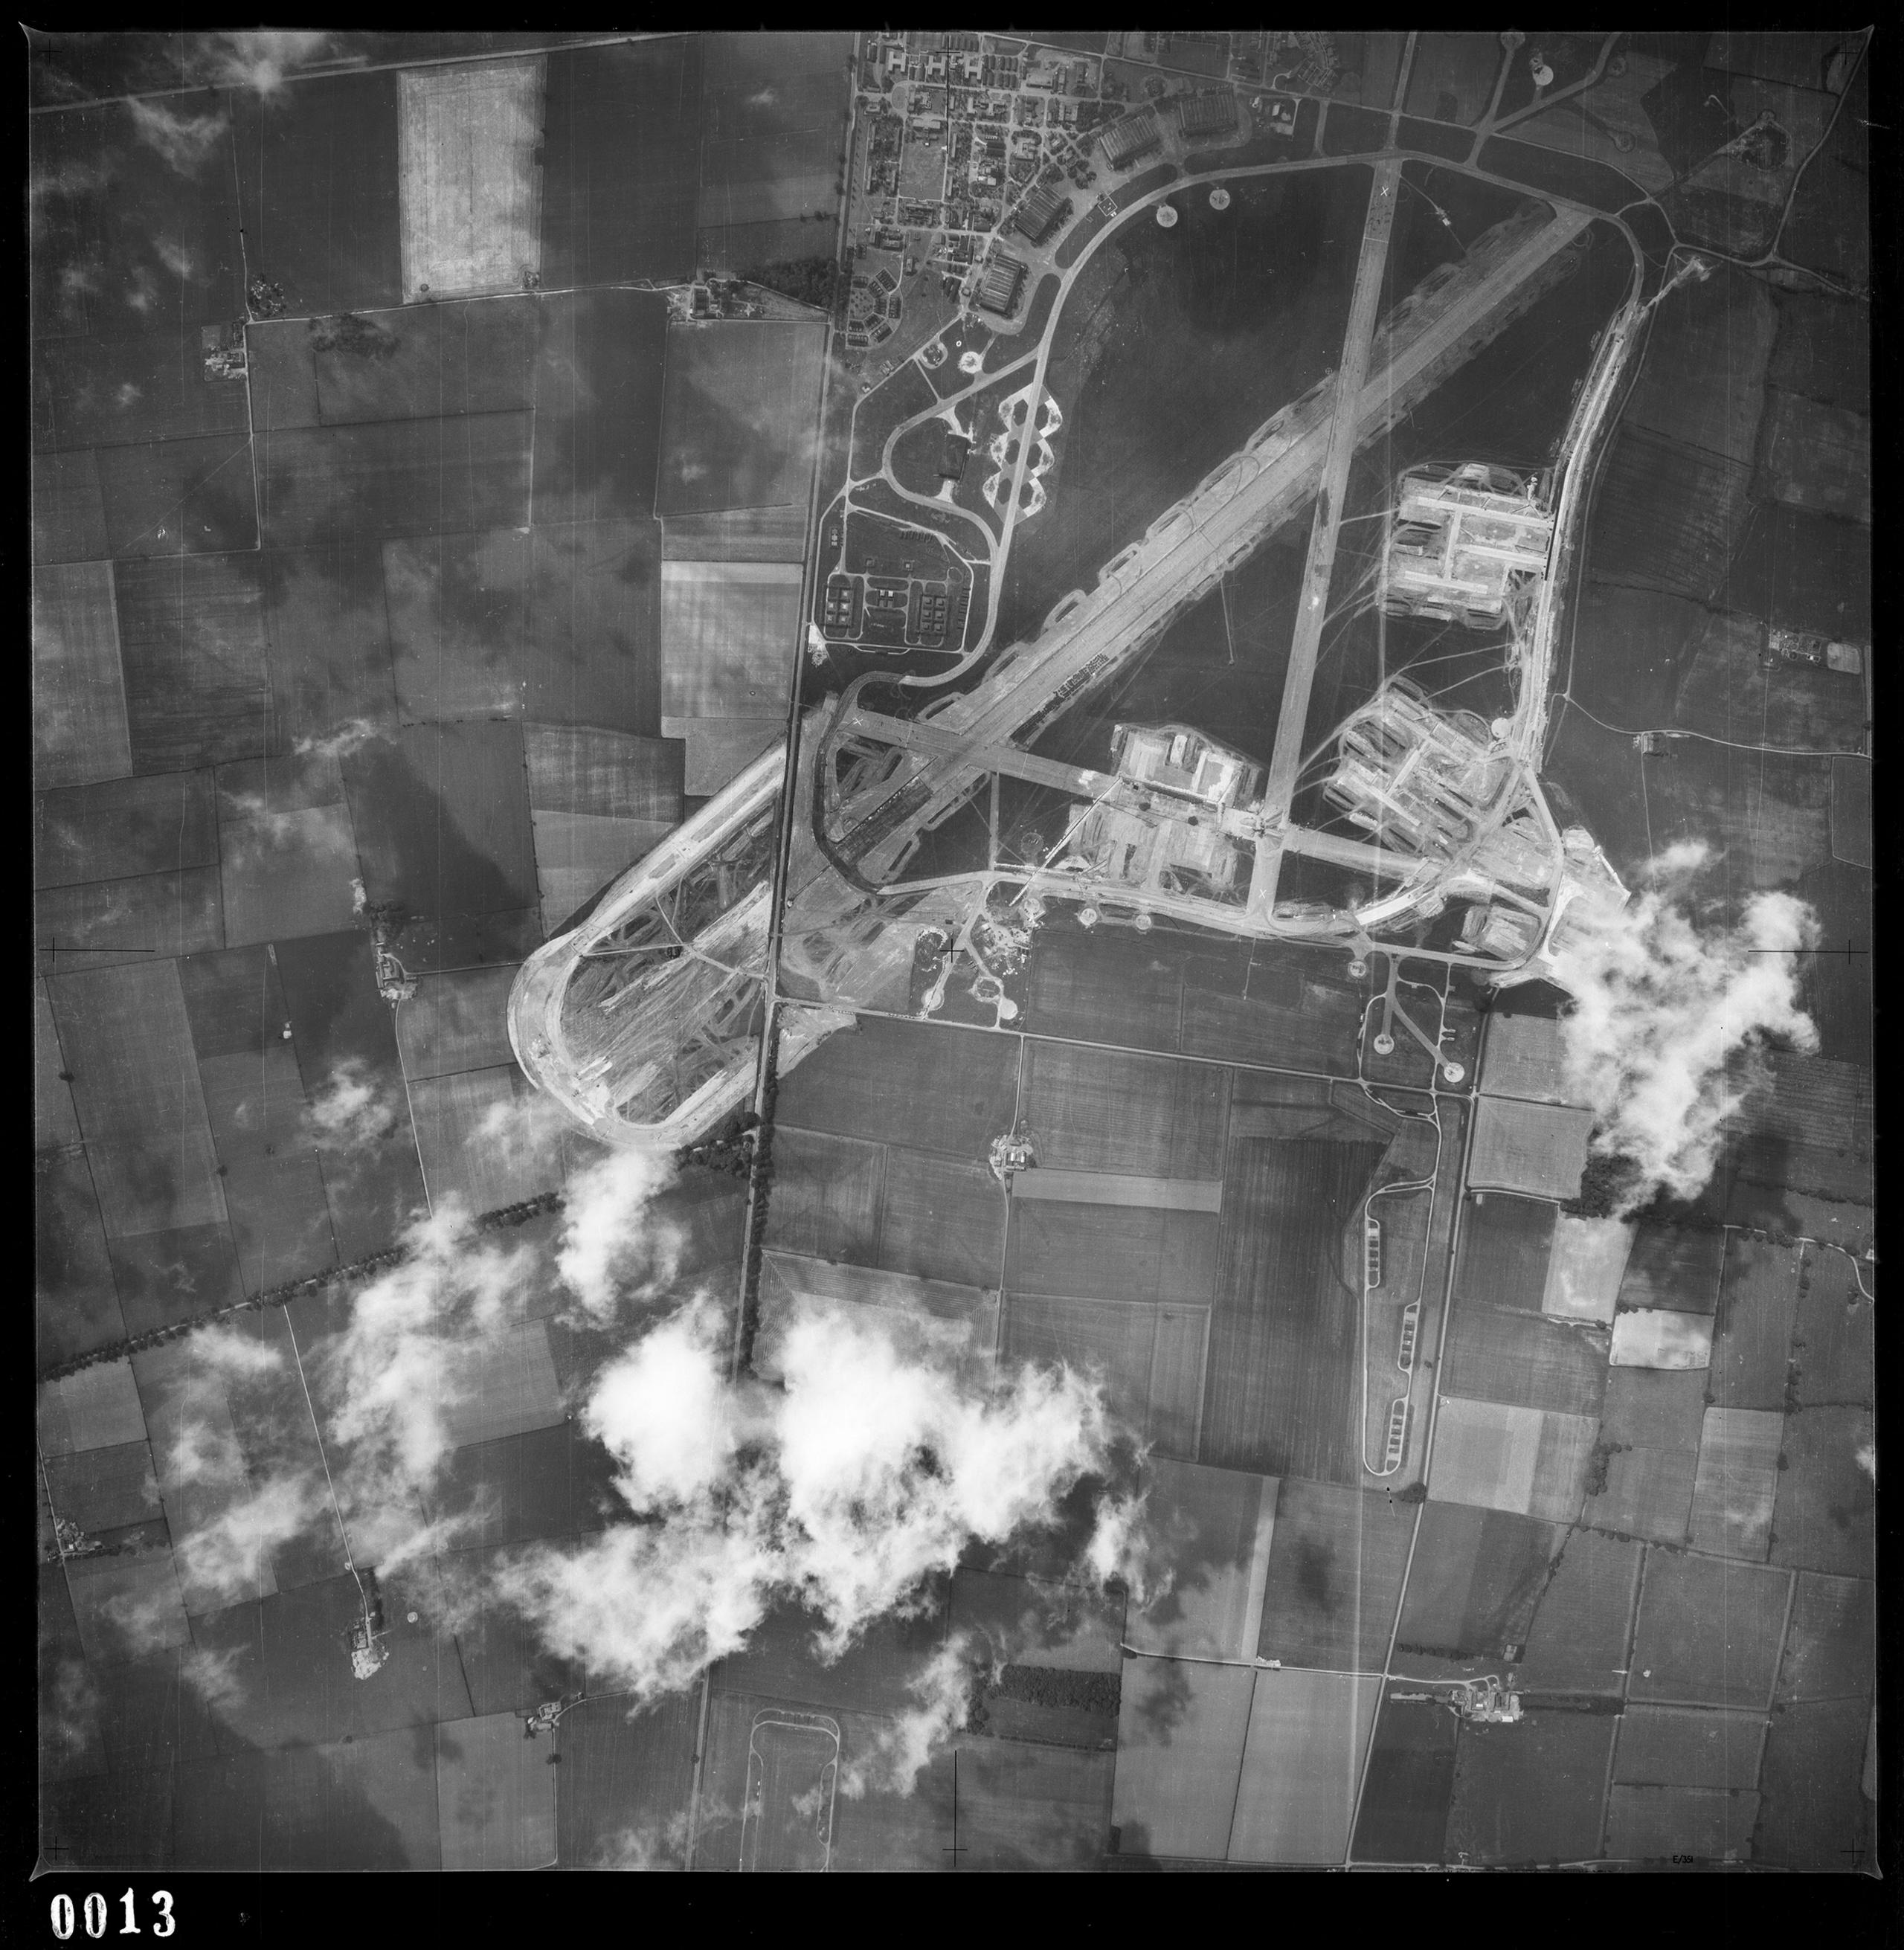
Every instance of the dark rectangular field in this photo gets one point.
(327, 634)
(317, 171)
(735, 415)
(825, 1199)
(140, 1079)
(1826, 1517)
(106, 832)
(593, 657)
(370, 1804)
(1702, 381)
(1024, 1806)
(1823, 349)
(546, 1482)
(945, 1089)
(218, 1810)
(1094, 1110)
(1673, 1267)
(1335, 1580)
(773, 108)
(111, 1821)
(182, 1272)
(1674, 1746)
(443, 819)
(151, 1718)
(1318, 1031)
(621, 162)
(598, 377)
(69, 514)
(117, 392)
(1832, 1338)
(1284, 1343)
(1709, 1630)
(1537, 1798)
(394, 477)
(737, 535)
(885, 1830)
(1131, 1253)
(172, 498)
(1642, 638)
(941, 1219)
(1649, 1489)
(1802, 570)
(1505, 1245)
(422, 362)
(1831, 1641)
(458, 618)
(1453, 76)
(282, 372)
(1116, 1342)
(622, 1792)
(1817, 457)
(114, 922)
(1751, 1332)
(1116, 991)
(79, 715)
(280, 1218)
(1579, 1635)
(1477, 1576)
(1501, 1354)
(740, 248)
(1672, 516)
(1409, 1784)
(120, 236)
(1813, 1815)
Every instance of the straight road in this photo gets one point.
(1285, 760)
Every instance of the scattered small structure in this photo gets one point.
(548, 1716)
(395, 983)
(223, 346)
(1484, 1702)
(73, 1541)
(1013, 1152)
(368, 1650)
(1279, 114)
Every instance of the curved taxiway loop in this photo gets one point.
(998, 560)
(738, 952)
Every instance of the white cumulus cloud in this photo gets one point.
(1673, 1005)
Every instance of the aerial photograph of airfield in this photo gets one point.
(953, 951)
